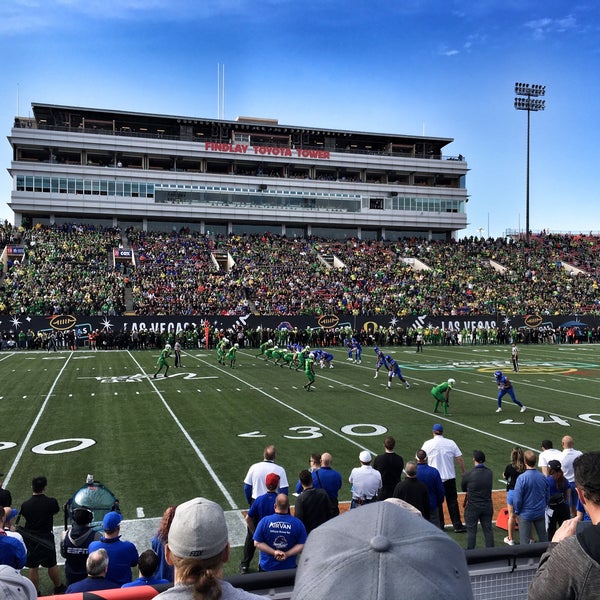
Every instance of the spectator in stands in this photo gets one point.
(14, 586)
(313, 506)
(381, 551)
(38, 534)
(569, 567)
(390, 465)
(279, 537)
(198, 547)
(96, 566)
(122, 554)
(75, 542)
(165, 570)
(430, 476)
(530, 500)
(477, 483)
(147, 568)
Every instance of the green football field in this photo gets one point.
(156, 442)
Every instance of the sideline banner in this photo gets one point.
(82, 326)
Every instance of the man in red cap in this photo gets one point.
(263, 506)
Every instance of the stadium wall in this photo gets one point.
(164, 325)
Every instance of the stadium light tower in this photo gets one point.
(528, 98)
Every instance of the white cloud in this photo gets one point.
(541, 28)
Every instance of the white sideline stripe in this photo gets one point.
(187, 436)
(35, 422)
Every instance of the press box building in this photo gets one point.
(160, 172)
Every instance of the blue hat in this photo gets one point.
(13, 513)
(438, 428)
(111, 520)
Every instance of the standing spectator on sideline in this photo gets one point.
(262, 506)
(365, 481)
(313, 506)
(122, 555)
(390, 465)
(442, 453)
(430, 476)
(279, 537)
(97, 566)
(569, 454)
(514, 357)
(314, 464)
(530, 500)
(5, 495)
(75, 542)
(165, 570)
(548, 453)
(569, 567)
(413, 491)
(147, 569)
(38, 535)
(477, 483)
(511, 472)
(559, 498)
(505, 386)
(441, 393)
(255, 486)
(329, 479)
(197, 548)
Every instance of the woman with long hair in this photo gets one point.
(198, 547)
(511, 472)
(559, 492)
(164, 571)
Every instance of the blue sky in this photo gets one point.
(440, 67)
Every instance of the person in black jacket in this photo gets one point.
(74, 544)
(390, 465)
(478, 503)
(313, 506)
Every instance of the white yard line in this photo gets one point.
(35, 422)
(188, 437)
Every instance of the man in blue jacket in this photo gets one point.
(530, 500)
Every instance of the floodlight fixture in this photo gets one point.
(528, 99)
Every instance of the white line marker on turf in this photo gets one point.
(25, 443)
(140, 512)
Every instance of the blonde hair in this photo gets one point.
(201, 574)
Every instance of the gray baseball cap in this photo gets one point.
(381, 552)
(198, 529)
(13, 586)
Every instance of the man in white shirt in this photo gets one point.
(569, 454)
(365, 481)
(255, 486)
(442, 453)
(548, 453)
